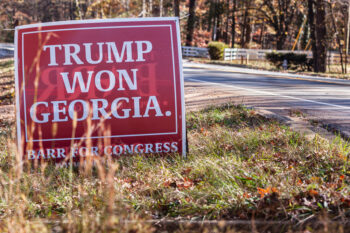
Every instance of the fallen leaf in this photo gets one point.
(186, 171)
(313, 193)
(246, 195)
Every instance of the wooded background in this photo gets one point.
(317, 25)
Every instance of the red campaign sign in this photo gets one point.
(99, 88)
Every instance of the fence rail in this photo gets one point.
(260, 54)
(256, 54)
(251, 54)
(188, 51)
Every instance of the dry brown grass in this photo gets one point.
(240, 167)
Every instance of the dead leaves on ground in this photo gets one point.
(180, 184)
(177, 183)
(269, 190)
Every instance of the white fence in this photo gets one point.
(188, 51)
(251, 54)
(256, 54)
(260, 54)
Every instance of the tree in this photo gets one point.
(279, 14)
(321, 43)
(246, 27)
(227, 22)
(311, 23)
(215, 15)
(337, 34)
(143, 8)
(317, 24)
(190, 22)
(177, 8)
(160, 8)
(233, 27)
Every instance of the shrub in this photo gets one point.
(216, 50)
(295, 61)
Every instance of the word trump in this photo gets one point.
(102, 81)
(73, 52)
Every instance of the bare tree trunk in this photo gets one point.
(127, 6)
(150, 10)
(78, 8)
(160, 8)
(233, 27)
(35, 15)
(337, 37)
(281, 38)
(311, 18)
(347, 39)
(248, 33)
(214, 6)
(190, 22)
(227, 21)
(143, 8)
(72, 10)
(214, 28)
(321, 35)
(262, 34)
(245, 26)
(177, 8)
(218, 27)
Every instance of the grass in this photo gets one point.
(7, 83)
(6, 64)
(333, 71)
(240, 166)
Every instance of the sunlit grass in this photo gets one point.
(240, 166)
(6, 65)
(7, 82)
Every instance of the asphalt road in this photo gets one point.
(322, 100)
(6, 50)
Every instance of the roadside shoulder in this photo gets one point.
(189, 64)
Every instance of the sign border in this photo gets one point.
(92, 21)
(94, 137)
